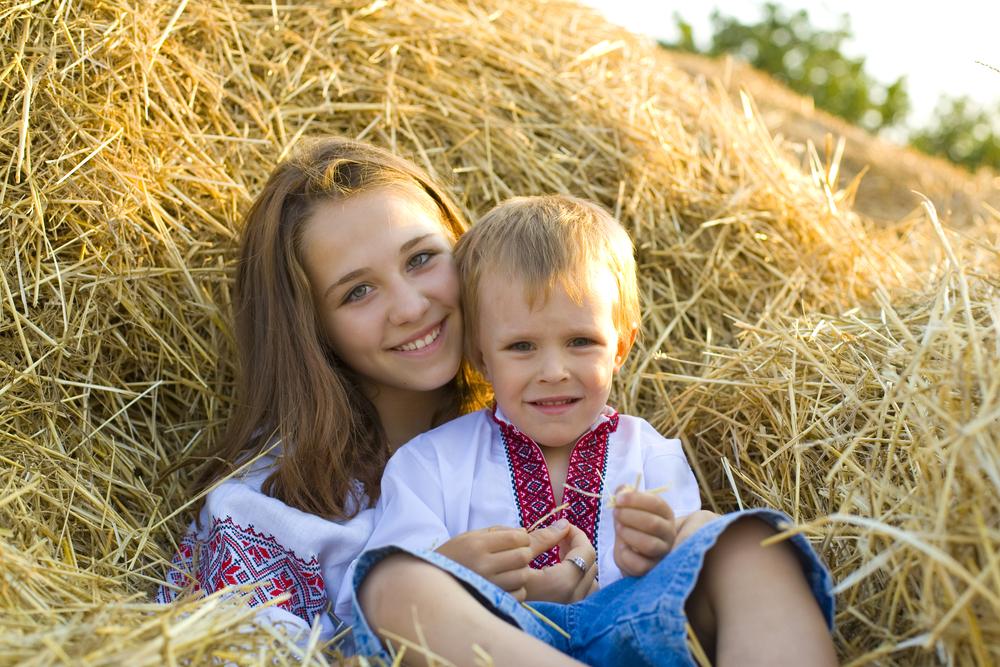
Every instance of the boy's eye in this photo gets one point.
(580, 341)
(520, 346)
(359, 292)
(419, 259)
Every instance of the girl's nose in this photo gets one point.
(409, 304)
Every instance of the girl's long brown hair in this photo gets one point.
(290, 384)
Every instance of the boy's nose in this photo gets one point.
(553, 368)
(408, 305)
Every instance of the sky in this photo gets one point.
(934, 44)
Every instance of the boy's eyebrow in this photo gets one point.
(357, 273)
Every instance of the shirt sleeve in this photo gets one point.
(666, 466)
(411, 510)
(272, 551)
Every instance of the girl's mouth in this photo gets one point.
(427, 340)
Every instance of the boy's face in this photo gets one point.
(551, 367)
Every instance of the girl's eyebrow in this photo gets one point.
(357, 273)
(412, 242)
(346, 278)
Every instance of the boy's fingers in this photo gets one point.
(575, 538)
(646, 522)
(510, 560)
(502, 538)
(521, 594)
(579, 547)
(646, 545)
(587, 584)
(510, 581)
(629, 562)
(641, 500)
(543, 539)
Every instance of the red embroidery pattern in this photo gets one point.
(533, 488)
(234, 555)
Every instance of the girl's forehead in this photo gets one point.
(392, 206)
(412, 194)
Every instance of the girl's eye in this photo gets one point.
(419, 259)
(580, 341)
(520, 346)
(359, 292)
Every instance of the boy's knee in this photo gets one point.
(742, 541)
(385, 579)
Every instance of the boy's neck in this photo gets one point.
(557, 461)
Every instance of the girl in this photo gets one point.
(349, 339)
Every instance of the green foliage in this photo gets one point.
(963, 132)
(810, 61)
(807, 60)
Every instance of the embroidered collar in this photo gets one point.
(529, 476)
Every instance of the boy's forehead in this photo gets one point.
(499, 289)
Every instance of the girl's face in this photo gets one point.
(385, 287)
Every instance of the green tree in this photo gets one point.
(962, 132)
(809, 61)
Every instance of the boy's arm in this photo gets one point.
(646, 521)
(410, 513)
(410, 510)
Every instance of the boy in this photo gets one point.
(550, 311)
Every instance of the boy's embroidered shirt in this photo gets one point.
(456, 478)
(533, 488)
(248, 537)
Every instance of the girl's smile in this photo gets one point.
(424, 343)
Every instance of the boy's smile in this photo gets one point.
(551, 365)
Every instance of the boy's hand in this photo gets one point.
(565, 581)
(645, 531)
(501, 554)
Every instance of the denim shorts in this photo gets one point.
(634, 621)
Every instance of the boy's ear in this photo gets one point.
(624, 347)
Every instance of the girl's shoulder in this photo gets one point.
(241, 499)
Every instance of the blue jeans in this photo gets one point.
(634, 621)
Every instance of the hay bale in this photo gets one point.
(844, 374)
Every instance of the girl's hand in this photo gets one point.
(565, 581)
(645, 531)
(501, 554)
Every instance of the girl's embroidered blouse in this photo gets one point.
(247, 537)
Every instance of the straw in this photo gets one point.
(841, 364)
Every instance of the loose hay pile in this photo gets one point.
(849, 377)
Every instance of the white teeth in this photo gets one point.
(422, 342)
(562, 402)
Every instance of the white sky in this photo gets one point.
(934, 44)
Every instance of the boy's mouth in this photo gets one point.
(555, 405)
(555, 401)
(419, 343)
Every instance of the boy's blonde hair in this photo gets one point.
(544, 241)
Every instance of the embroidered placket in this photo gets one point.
(532, 485)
